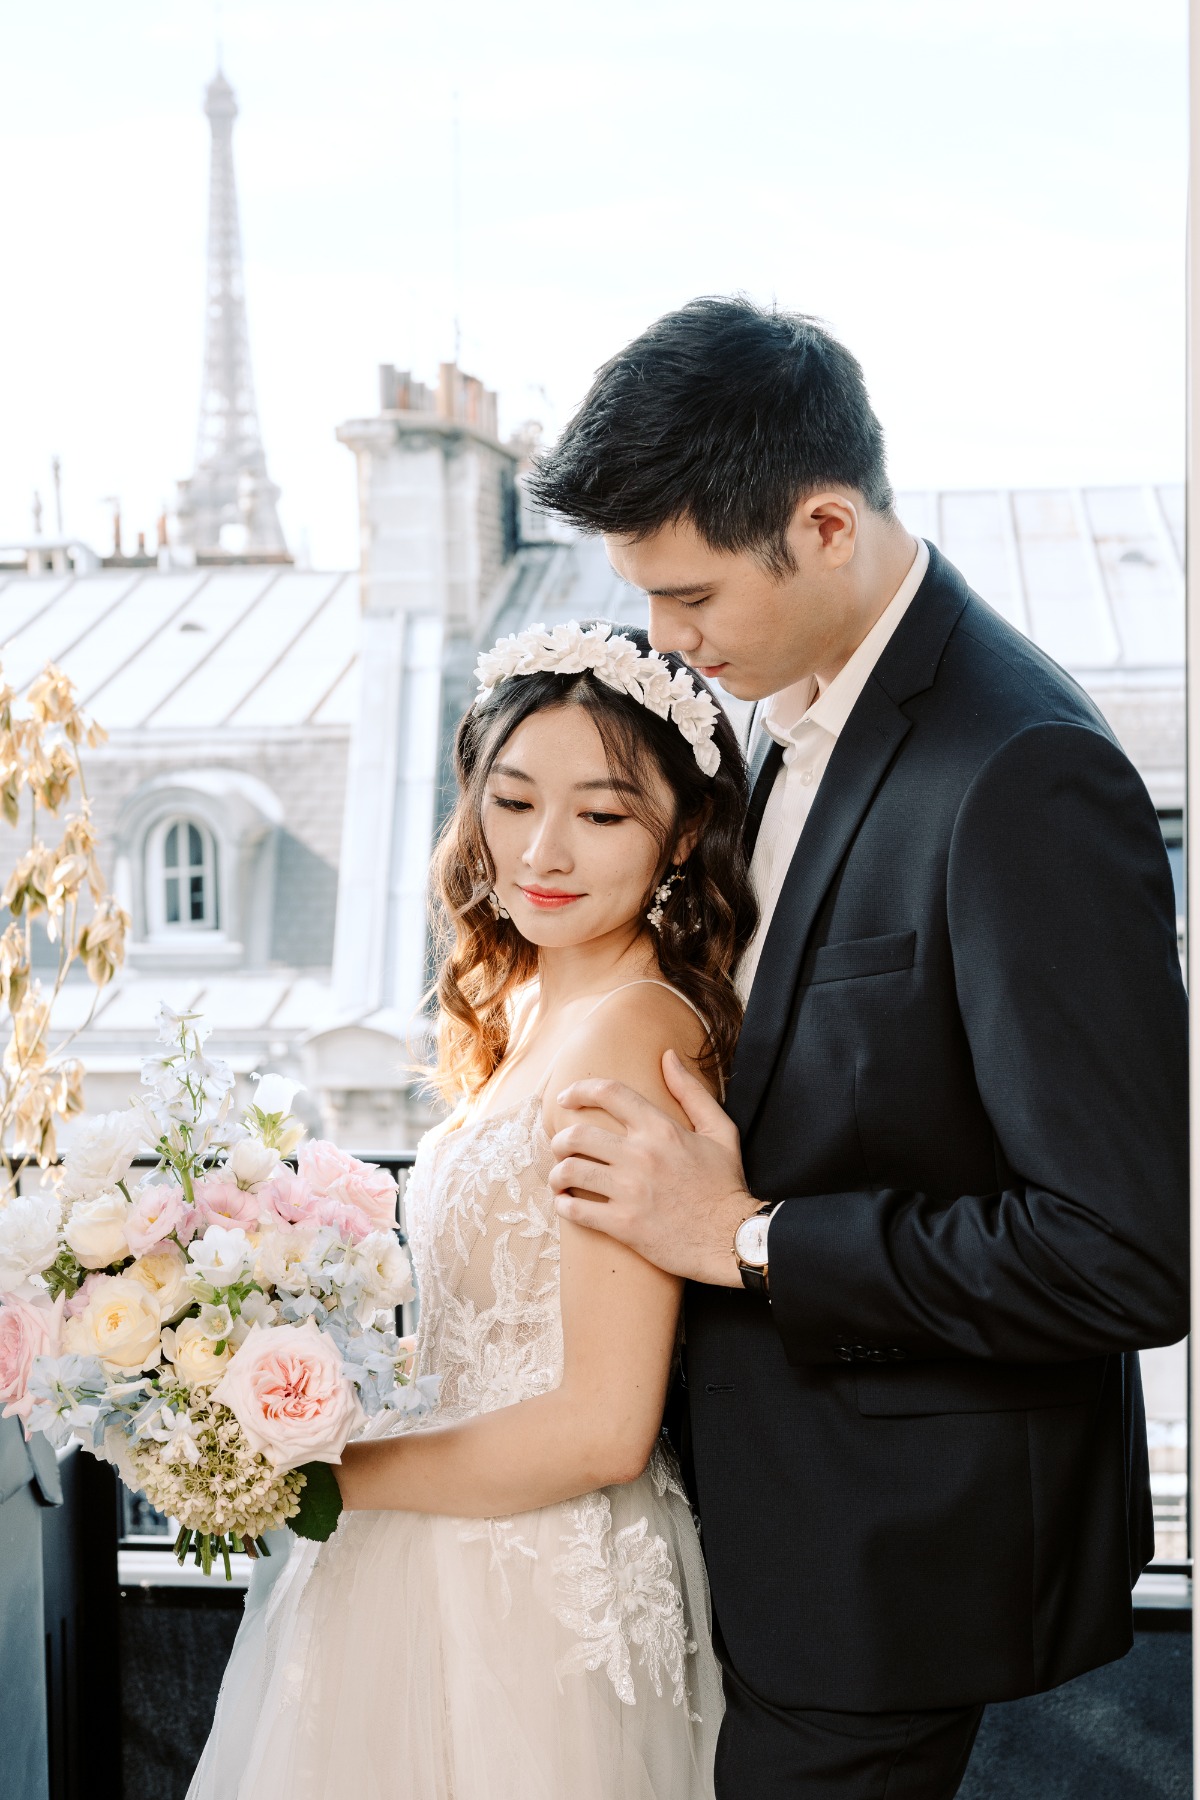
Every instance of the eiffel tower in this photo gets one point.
(229, 502)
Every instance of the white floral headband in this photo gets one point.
(616, 660)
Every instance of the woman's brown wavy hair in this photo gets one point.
(707, 922)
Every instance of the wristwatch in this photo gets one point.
(750, 1249)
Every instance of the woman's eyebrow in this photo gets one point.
(616, 786)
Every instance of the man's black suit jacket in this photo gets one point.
(921, 1468)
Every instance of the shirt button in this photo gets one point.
(806, 776)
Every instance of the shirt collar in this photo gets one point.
(788, 711)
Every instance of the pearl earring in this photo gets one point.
(662, 895)
(498, 911)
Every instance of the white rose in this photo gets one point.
(221, 1255)
(29, 1227)
(382, 1266)
(95, 1230)
(164, 1273)
(194, 1353)
(251, 1163)
(120, 1325)
(102, 1153)
(280, 1260)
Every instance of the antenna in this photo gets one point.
(456, 224)
(56, 475)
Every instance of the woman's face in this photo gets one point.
(572, 861)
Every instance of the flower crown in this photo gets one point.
(616, 660)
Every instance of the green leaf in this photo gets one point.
(320, 1503)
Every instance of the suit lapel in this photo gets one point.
(861, 757)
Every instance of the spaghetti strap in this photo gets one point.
(645, 981)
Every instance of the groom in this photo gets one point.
(947, 1199)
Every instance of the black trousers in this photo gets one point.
(768, 1752)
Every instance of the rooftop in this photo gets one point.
(253, 647)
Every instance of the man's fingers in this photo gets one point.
(595, 1215)
(579, 1172)
(586, 1140)
(705, 1113)
(621, 1103)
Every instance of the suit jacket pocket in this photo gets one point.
(913, 1389)
(864, 956)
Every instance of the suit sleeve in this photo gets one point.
(1062, 928)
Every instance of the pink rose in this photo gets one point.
(28, 1328)
(333, 1173)
(79, 1299)
(347, 1220)
(286, 1198)
(289, 1393)
(221, 1202)
(157, 1212)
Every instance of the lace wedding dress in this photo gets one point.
(562, 1654)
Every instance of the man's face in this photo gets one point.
(729, 616)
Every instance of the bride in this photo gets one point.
(513, 1605)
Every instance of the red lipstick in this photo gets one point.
(549, 899)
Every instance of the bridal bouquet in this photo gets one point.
(219, 1330)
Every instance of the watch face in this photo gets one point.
(751, 1241)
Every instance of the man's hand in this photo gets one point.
(674, 1196)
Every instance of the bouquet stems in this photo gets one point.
(206, 1546)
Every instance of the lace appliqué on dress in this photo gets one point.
(490, 1319)
(663, 1471)
(505, 1541)
(619, 1595)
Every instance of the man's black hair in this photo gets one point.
(725, 414)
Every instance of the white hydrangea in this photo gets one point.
(220, 1484)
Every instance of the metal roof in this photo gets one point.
(257, 647)
(1093, 575)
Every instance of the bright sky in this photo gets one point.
(985, 198)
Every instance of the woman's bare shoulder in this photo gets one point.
(625, 1040)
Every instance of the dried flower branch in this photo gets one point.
(56, 883)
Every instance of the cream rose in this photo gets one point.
(164, 1272)
(120, 1325)
(287, 1388)
(194, 1353)
(95, 1230)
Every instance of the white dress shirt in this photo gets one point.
(808, 721)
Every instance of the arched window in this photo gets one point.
(181, 877)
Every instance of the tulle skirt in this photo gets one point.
(563, 1654)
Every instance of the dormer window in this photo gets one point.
(182, 885)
